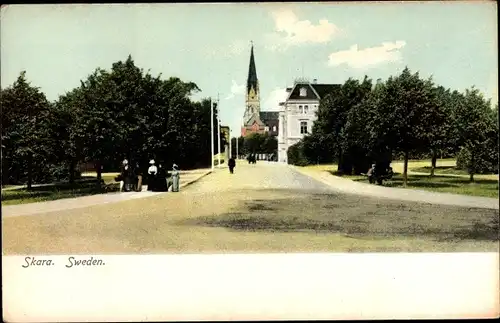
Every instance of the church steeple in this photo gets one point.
(252, 81)
(252, 110)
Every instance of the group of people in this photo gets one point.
(252, 159)
(131, 178)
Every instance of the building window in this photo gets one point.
(266, 129)
(301, 109)
(306, 109)
(274, 128)
(303, 127)
(303, 91)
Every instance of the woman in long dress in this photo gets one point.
(152, 172)
(161, 185)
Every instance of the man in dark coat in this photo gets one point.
(231, 163)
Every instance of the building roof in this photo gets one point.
(252, 80)
(324, 89)
(265, 116)
(254, 119)
(314, 91)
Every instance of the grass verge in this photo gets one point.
(439, 183)
(86, 186)
(485, 185)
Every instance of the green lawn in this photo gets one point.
(444, 170)
(59, 191)
(440, 183)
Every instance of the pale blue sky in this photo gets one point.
(209, 44)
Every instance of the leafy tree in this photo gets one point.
(401, 122)
(477, 126)
(439, 119)
(317, 148)
(295, 154)
(241, 145)
(24, 113)
(362, 145)
(260, 143)
(332, 117)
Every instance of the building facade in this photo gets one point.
(298, 113)
(254, 120)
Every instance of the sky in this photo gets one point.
(209, 44)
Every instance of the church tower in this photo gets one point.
(252, 92)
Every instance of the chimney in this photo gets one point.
(315, 81)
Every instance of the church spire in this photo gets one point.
(252, 74)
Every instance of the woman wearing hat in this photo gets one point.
(152, 172)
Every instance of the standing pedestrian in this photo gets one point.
(231, 163)
(138, 172)
(161, 180)
(152, 172)
(126, 176)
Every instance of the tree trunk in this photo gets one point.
(405, 170)
(30, 171)
(471, 168)
(340, 167)
(99, 173)
(72, 171)
(434, 160)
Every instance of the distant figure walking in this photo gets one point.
(152, 172)
(231, 163)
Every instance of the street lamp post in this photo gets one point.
(237, 152)
(230, 143)
(212, 131)
(218, 130)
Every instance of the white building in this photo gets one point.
(298, 113)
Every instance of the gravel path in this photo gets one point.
(187, 178)
(261, 176)
(267, 207)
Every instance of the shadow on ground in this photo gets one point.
(357, 217)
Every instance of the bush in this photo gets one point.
(296, 156)
(60, 172)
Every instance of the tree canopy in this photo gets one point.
(122, 112)
(406, 116)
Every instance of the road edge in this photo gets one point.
(196, 179)
(475, 204)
